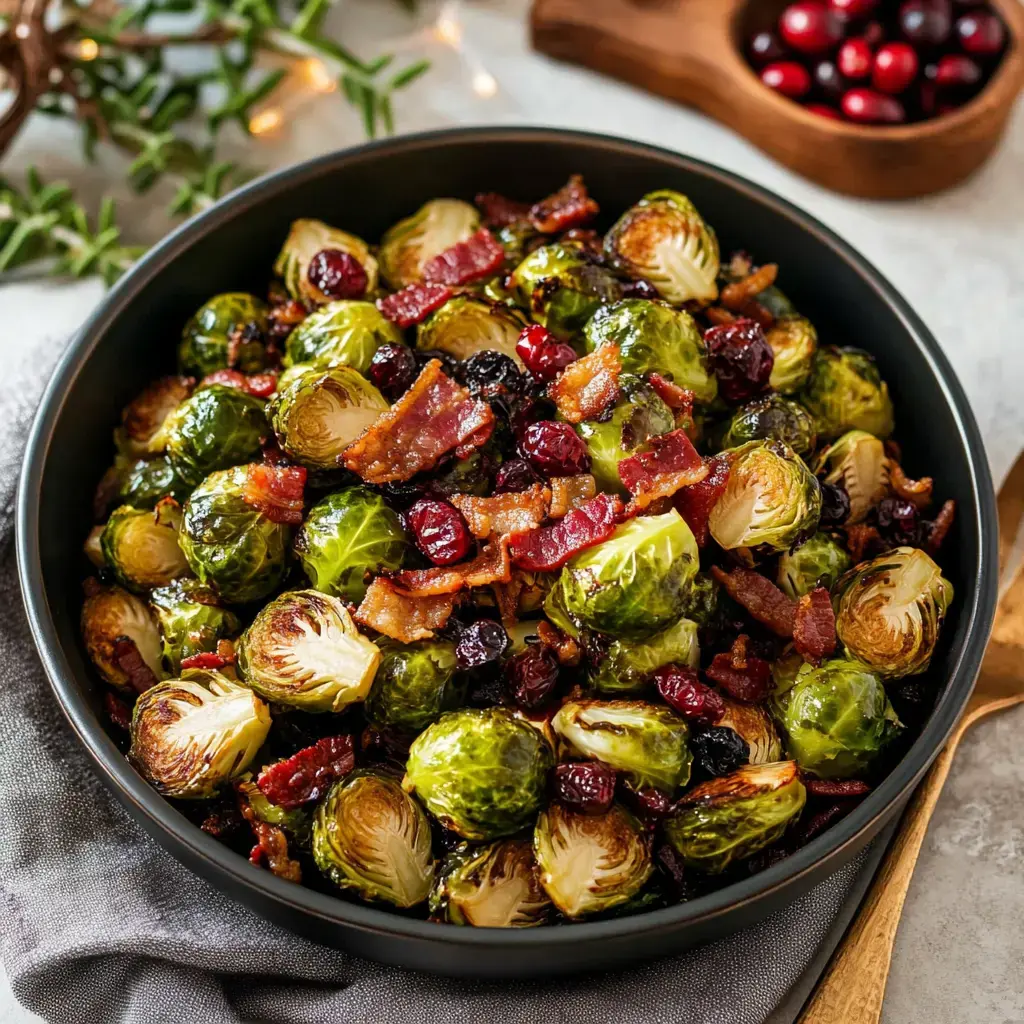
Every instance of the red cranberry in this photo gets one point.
(765, 48)
(865, 106)
(440, 531)
(683, 691)
(514, 476)
(648, 802)
(337, 274)
(898, 521)
(810, 27)
(895, 67)
(928, 94)
(855, 58)
(531, 676)
(981, 33)
(542, 353)
(873, 33)
(555, 449)
(851, 10)
(584, 786)
(955, 71)
(926, 22)
(828, 80)
(787, 77)
(823, 110)
(392, 370)
(741, 359)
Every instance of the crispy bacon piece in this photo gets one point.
(564, 647)
(861, 540)
(414, 303)
(492, 565)
(117, 710)
(941, 525)
(479, 256)
(271, 849)
(275, 491)
(835, 788)
(499, 211)
(761, 598)
(676, 398)
(506, 597)
(262, 385)
(814, 626)
(133, 665)
(586, 387)
(743, 676)
(308, 774)
(672, 463)
(509, 513)
(433, 417)
(569, 492)
(735, 296)
(753, 310)
(205, 659)
(720, 316)
(696, 501)
(918, 492)
(550, 547)
(567, 208)
(401, 616)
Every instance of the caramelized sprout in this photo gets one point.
(771, 418)
(465, 325)
(140, 434)
(342, 333)
(628, 665)
(411, 243)
(818, 562)
(192, 621)
(845, 392)
(140, 546)
(755, 727)
(225, 333)
(793, 342)
(305, 239)
(109, 614)
(858, 462)
(414, 685)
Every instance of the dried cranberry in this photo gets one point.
(671, 866)
(486, 369)
(764, 48)
(480, 644)
(835, 504)
(531, 676)
(648, 802)
(306, 775)
(895, 67)
(449, 364)
(683, 691)
(639, 289)
(542, 353)
(866, 106)
(926, 23)
(337, 274)
(741, 359)
(810, 27)
(554, 449)
(855, 58)
(981, 33)
(392, 370)
(787, 78)
(743, 676)
(720, 750)
(440, 531)
(400, 494)
(514, 476)
(587, 787)
(898, 521)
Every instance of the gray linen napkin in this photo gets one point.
(98, 924)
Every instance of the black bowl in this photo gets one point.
(130, 338)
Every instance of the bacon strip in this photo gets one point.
(275, 491)
(479, 256)
(117, 710)
(499, 211)
(550, 547)
(919, 492)
(509, 513)
(761, 598)
(204, 659)
(308, 773)
(671, 464)
(679, 400)
(569, 492)
(735, 296)
(862, 539)
(492, 565)
(743, 676)
(814, 627)
(567, 208)
(941, 525)
(129, 660)
(696, 501)
(402, 616)
(414, 303)
(261, 385)
(586, 387)
(433, 417)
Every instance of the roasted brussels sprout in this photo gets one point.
(465, 325)
(343, 333)
(729, 818)
(628, 665)
(646, 741)
(638, 415)
(145, 482)
(110, 613)
(303, 650)
(632, 585)
(793, 342)
(140, 545)
(296, 821)
(191, 621)
(702, 600)
(320, 413)
(858, 462)
(230, 545)
(481, 773)
(434, 227)
(372, 839)
(492, 886)
(755, 727)
(226, 332)
(837, 718)
(771, 500)
(591, 862)
(192, 735)
(845, 392)
(140, 434)
(305, 239)
(818, 562)
(889, 611)
(652, 336)
(771, 418)
(664, 240)
(346, 536)
(414, 685)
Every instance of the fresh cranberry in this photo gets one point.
(531, 676)
(542, 353)
(554, 449)
(392, 370)
(981, 33)
(895, 67)
(810, 27)
(440, 530)
(741, 359)
(683, 691)
(955, 71)
(337, 274)
(639, 289)
(823, 110)
(851, 10)
(928, 93)
(835, 504)
(587, 787)
(828, 80)
(480, 643)
(865, 106)
(873, 34)
(855, 58)
(926, 22)
(765, 48)
(514, 476)
(787, 77)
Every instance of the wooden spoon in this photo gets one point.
(853, 986)
(691, 51)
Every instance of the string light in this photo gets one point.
(266, 121)
(448, 28)
(316, 75)
(88, 49)
(484, 84)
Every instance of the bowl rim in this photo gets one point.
(179, 836)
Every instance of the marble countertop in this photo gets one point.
(957, 257)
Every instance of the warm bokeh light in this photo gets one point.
(484, 84)
(316, 75)
(266, 121)
(447, 28)
(88, 49)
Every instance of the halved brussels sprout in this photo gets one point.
(140, 545)
(347, 536)
(372, 839)
(191, 621)
(110, 613)
(771, 500)
(320, 413)
(465, 325)
(230, 545)
(754, 725)
(628, 665)
(845, 392)
(492, 886)
(633, 584)
(818, 562)
(889, 611)
(296, 821)
(638, 415)
(414, 685)
(652, 336)
(771, 418)
(435, 226)
(481, 773)
(342, 333)
(858, 462)
(218, 427)
(140, 434)
(701, 602)
(837, 719)
(192, 735)
(226, 332)
(304, 651)
(145, 482)
(591, 862)
(305, 239)
(793, 342)
(731, 817)
(664, 240)
(646, 741)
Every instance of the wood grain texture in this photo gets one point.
(689, 51)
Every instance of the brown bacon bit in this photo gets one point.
(414, 303)
(222, 822)
(564, 647)
(275, 491)
(285, 315)
(588, 238)
(128, 659)
(672, 463)
(918, 492)
(567, 208)
(479, 256)
(205, 659)
(498, 211)
(743, 676)
(550, 547)
(513, 512)
(225, 649)
(735, 296)
(506, 597)
(117, 710)
(308, 774)
(492, 565)
(719, 316)
(893, 450)
(940, 527)
(761, 598)
(433, 417)
(585, 388)
(695, 502)
(679, 400)
(271, 849)
(836, 788)
(814, 627)
(753, 310)
(817, 823)
(569, 492)
(401, 616)
(861, 539)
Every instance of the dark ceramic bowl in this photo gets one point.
(131, 337)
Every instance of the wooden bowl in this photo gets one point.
(692, 51)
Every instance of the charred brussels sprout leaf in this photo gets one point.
(346, 536)
(149, 480)
(303, 650)
(858, 462)
(481, 773)
(342, 333)
(628, 665)
(226, 333)
(591, 862)
(889, 611)
(465, 325)
(140, 546)
(191, 621)
(845, 392)
(415, 684)
(729, 818)
(411, 243)
(141, 432)
(793, 342)
(754, 726)
(372, 839)
(772, 418)
(819, 561)
(110, 613)
(305, 239)
(191, 736)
